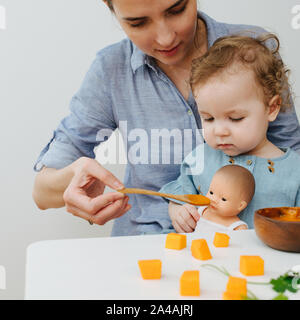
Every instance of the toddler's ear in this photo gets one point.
(242, 205)
(274, 107)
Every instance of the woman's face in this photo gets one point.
(163, 29)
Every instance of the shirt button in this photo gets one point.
(271, 163)
(190, 112)
(271, 169)
(249, 162)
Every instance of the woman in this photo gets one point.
(138, 83)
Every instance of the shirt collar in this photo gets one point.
(138, 58)
(215, 30)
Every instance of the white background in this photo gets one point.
(45, 51)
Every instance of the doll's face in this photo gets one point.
(234, 116)
(225, 198)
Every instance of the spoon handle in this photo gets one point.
(153, 193)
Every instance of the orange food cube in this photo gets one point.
(231, 296)
(175, 241)
(200, 249)
(221, 239)
(251, 265)
(190, 283)
(150, 269)
(237, 285)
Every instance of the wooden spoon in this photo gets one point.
(195, 199)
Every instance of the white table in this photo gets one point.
(107, 268)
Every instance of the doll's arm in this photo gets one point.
(241, 227)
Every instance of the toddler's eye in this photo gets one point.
(211, 192)
(223, 199)
(208, 119)
(236, 119)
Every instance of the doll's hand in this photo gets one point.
(184, 217)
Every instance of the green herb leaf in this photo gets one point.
(283, 283)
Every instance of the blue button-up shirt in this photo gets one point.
(125, 89)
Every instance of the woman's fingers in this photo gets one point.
(111, 211)
(90, 205)
(84, 196)
(93, 168)
(78, 213)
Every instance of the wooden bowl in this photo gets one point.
(277, 234)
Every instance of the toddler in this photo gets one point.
(239, 87)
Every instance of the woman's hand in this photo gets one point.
(84, 195)
(184, 217)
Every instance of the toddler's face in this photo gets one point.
(234, 116)
(225, 198)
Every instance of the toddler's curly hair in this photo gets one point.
(260, 54)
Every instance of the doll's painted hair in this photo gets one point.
(257, 54)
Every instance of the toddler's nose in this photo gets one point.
(221, 130)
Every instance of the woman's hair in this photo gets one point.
(253, 53)
(110, 5)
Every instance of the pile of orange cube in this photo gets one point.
(236, 288)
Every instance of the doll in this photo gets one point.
(230, 191)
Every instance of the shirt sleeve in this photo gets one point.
(89, 122)
(184, 184)
(285, 130)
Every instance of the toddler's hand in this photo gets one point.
(184, 217)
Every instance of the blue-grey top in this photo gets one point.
(277, 183)
(125, 89)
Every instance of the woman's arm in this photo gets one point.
(50, 185)
(78, 180)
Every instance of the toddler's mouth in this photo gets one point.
(225, 145)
